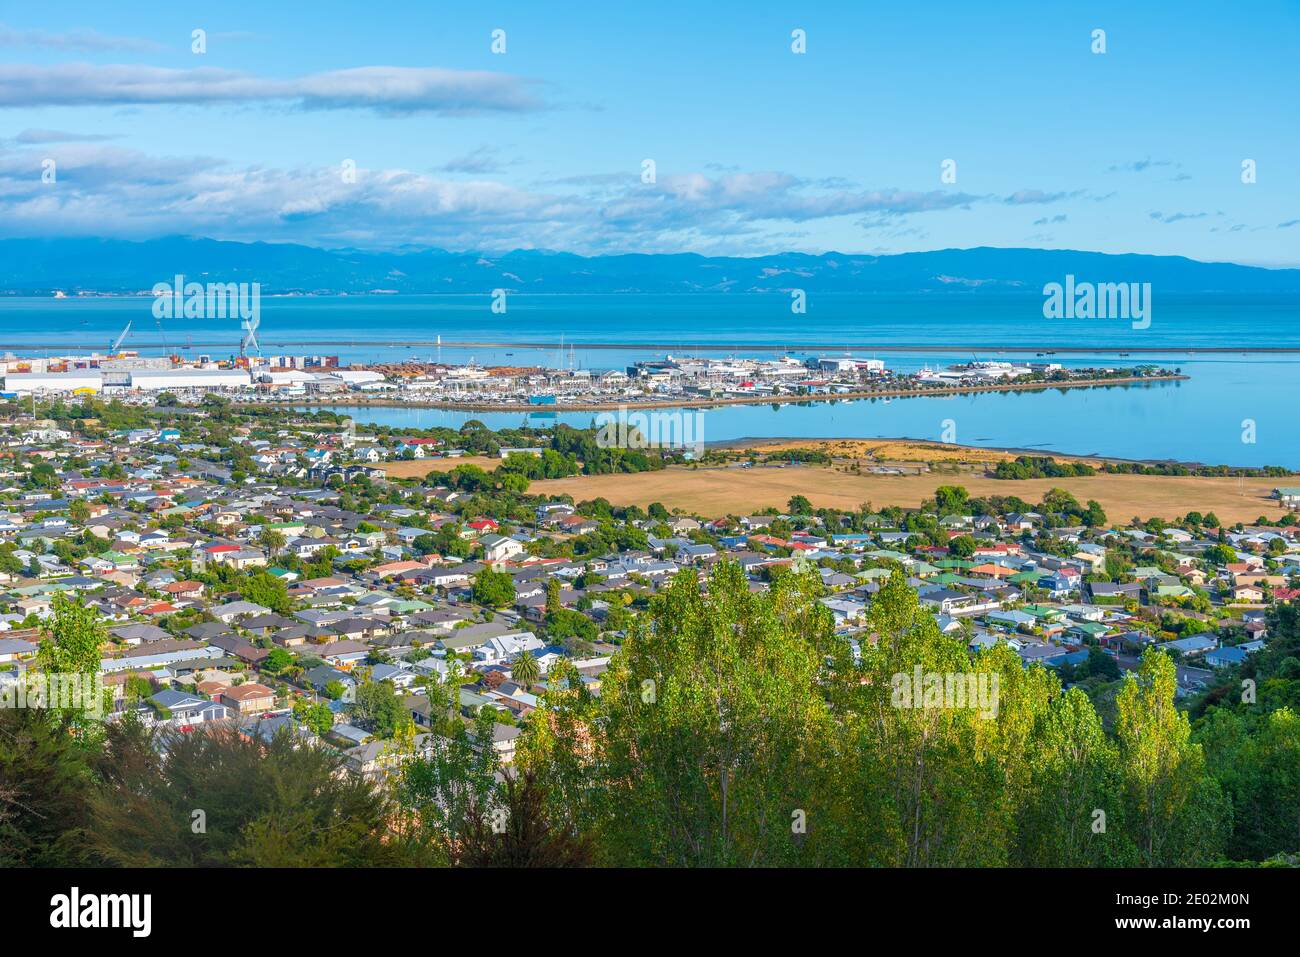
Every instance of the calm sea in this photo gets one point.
(1232, 397)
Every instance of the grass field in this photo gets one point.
(735, 491)
(418, 468)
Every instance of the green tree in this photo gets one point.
(449, 792)
(799, 505)
(525, 670)
(315, 715)
(951, 500)
(380, 710)
(963, 546)
(265, 589)
(263, 804)
(1073, 816)
(1219, 555)
(1177, 812)
(46, 783)
(553, 596)
(494, 589)
(272, 540)
(713, 732)
(72, 645)
(278, 661)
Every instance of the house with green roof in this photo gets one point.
(1288, 496)
(874, 574)
(1089, 629)
(1044, 612)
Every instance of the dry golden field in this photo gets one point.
(418, 468)
(899, 450)
(723, 491)
(734, 490)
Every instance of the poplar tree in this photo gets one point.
(1177, 813)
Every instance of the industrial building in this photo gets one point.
(25, 383)
(125, 380)
(174, 380)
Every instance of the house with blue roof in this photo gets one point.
(1225, 657)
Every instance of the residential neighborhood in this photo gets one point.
(328, 598)
(283, 581)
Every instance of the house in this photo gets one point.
(240, 648)
(1225, 657)
(1192, 646)
(1115, 592)
(1248, 593)
(694, 554)
(376, 760)
(499, 548)
(1287, 497)
(506, 646)
(186, 590)
(236, 556)
(1061, 582)
(1023, 521)
(320, 677)
(1085, 630)
(480, 526)
(398, 676)
(343, 654)
(949, 602)
(249, 698)
(138, 634)
(15, 649)
(1016, 620)
(552, 511)
(237, 609)
(179, 709)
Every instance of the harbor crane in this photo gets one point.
(250, 337)
(117, 343)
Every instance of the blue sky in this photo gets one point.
(756, 148)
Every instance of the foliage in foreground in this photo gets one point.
(734, 728)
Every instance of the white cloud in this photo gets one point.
(82, 41)
(39, 136)
(111, 191)
(386, 89)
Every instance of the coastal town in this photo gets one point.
(678, 381)
(262, 569)
(443, 442)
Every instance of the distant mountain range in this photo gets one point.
(112, 266)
